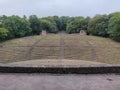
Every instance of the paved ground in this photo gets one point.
(59, 82)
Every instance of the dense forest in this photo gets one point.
(100, 25)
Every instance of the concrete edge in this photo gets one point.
(88, 69)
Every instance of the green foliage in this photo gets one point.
(76, 24)
(35, 24)
(3, 34)
(45, 24)
(2, 18)
(114, 26)
(49, 25)
(99, 25)
(85, 23)
(73, 27)
(18, 27)
(63, 22)
(56, 21)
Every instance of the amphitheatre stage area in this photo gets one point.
(59, 50)
(74, 48)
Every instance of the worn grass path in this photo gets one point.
(28, 54)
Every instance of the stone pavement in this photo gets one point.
(59, 82)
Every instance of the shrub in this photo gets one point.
(3, 34)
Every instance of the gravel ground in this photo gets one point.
(59, 82)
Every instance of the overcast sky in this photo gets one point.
(58, 7)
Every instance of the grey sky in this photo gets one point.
(58, 7)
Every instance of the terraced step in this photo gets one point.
(55, 62)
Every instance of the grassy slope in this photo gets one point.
(78, 47)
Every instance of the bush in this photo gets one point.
(17, 26)
(76, 24)
(49, 26)
(114, 27)
(35, 24)
(99, 26)
(3, 34)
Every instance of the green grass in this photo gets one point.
(26, 41)
(90, 48)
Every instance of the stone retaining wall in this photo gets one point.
(100, 69)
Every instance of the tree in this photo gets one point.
(72, 27)
(56, 19)
(48, 26)
(18, 27)
(35, 24)
(75, 24)
(3, 34)
(84, 23)
(63, 22)
(114, 26)
(2, 18)
(98, 25)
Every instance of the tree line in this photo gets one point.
(100, 25)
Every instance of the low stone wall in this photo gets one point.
(100, 69)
